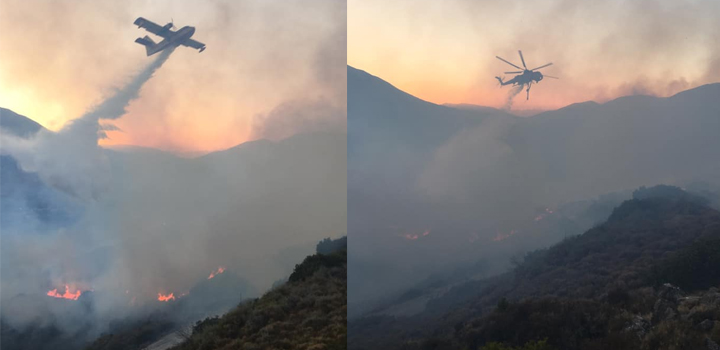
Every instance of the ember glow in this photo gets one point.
(166, 297)
(67, 295)
(413, 236)
(216, 272)
(503, 236)
(541, 216)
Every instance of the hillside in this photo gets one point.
(644, 279)
(467, 176)
(256, 210)
(24, 195)
(307, 312)
(17, 124)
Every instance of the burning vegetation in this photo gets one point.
(67, 295)
(166, 297)
(216, 272)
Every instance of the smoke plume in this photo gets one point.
(144, 222)
(514, 91)
(70, 160)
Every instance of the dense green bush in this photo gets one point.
(308, 312)
(695, 267)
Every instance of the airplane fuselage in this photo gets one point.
(171, 39)
(176, 39)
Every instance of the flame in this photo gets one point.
(412, 236)
(503, 236)
(541, 216)
(216, 272)
(166, 297)
(67, 295)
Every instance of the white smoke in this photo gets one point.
(70, 160)
(151, 222)
(514, 91)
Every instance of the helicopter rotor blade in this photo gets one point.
(502, 59)
(549, 76)
(543, 66)
(518, 72)
(522, 59)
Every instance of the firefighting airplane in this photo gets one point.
(170, 38)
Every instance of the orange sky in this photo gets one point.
(59, 58)
(444, 51)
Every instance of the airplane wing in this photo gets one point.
(194, 44)
(152, 27)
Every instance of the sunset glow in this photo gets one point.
(61, 58)
(444, 51)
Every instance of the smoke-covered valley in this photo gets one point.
(436, 191)
(93, 237)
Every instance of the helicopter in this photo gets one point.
(527, 76)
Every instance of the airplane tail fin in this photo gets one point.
(500, 80)
(148, 43)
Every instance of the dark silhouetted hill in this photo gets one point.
(17, 125)
(647, 278)
(329, 246)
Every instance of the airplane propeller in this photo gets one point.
(172, 23)
(518, 72)
(549, 76)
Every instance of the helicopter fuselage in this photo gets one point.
(526, 77)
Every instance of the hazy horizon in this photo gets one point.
(444, 52)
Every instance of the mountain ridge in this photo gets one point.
(364, 77)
